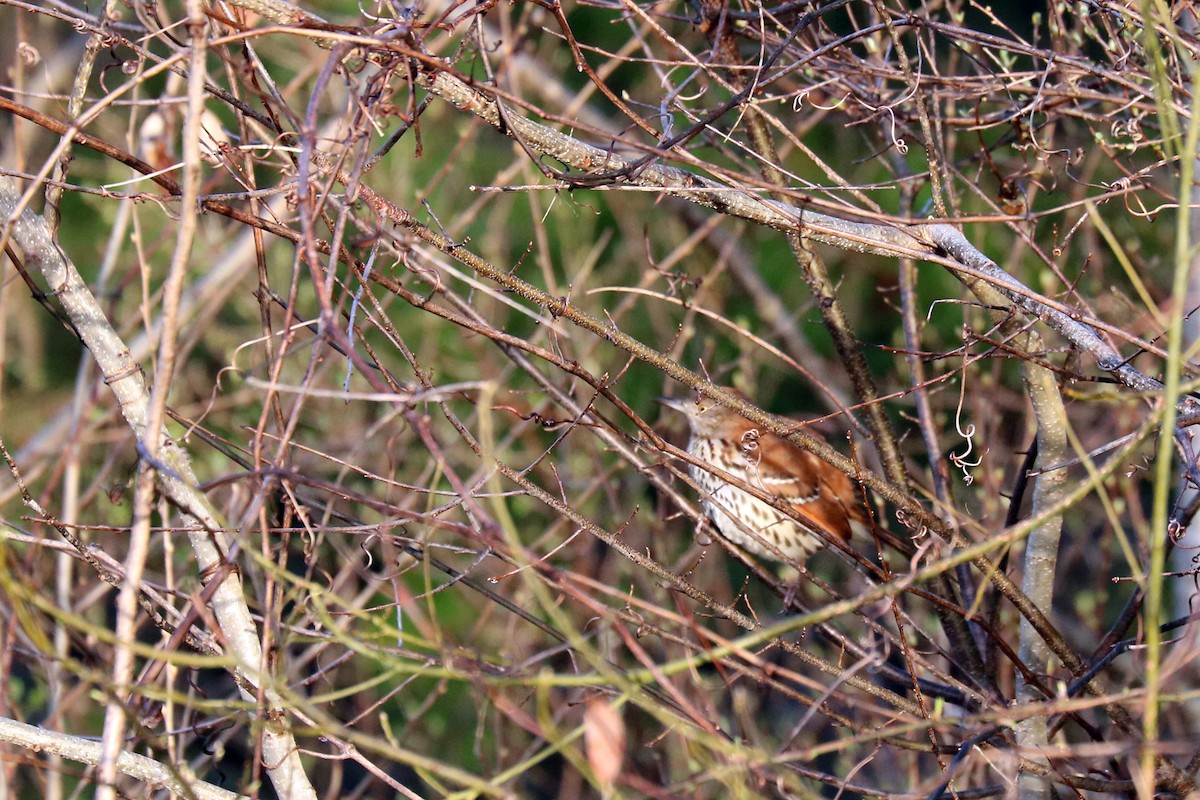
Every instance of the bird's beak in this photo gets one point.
(675, 403)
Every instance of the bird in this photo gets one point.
(824, 497)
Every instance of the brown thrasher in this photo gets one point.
(821, 495)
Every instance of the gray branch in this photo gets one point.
(125, 379)
(919, 241)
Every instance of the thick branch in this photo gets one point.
(924, 242)
(125, 378)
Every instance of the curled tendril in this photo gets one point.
(29, 54)
(799, 99)
(960, 459)
(900, 145)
